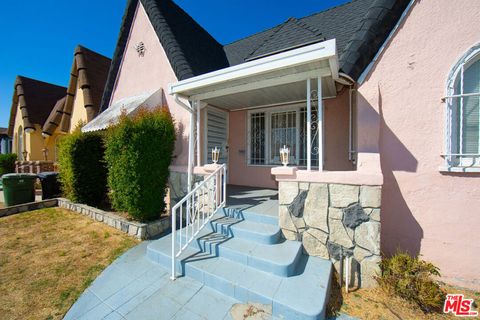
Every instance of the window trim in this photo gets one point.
(450, 134)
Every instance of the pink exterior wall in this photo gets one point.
(148, 73)
(400, 114)
(336, 145)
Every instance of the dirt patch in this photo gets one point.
(49, 257)
(377, 304)
(251, 311)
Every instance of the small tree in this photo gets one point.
(138, 154)
(83, 173)
(7, 163)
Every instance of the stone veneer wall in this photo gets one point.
(333, 220)
(139, 230)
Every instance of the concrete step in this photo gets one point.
(245, 229)
(303, 295)
(246, 214)
(280, 258)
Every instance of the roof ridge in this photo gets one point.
(82, 47)
(308, 27)
(40, 81)
(329, 9)
(301, 18)
(291, 20)
(275, 32)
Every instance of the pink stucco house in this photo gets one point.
(377, 102)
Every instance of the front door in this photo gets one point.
(216, 132)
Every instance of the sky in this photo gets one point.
(37, 38)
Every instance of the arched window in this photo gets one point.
(20, 145)
(463, 113)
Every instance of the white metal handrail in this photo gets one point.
(197, 207)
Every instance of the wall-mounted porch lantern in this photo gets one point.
(215, 155)
(284, 155)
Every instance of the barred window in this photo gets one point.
(463, 112)
(257, 138)
(274, 128)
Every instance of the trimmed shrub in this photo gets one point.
(138, 154)
(410, 278)
(83, 173)
(7, 163)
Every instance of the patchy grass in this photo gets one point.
(49, 257)
(377, 304)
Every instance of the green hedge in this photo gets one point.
(83, 173)
(138, 154)
(7, 163)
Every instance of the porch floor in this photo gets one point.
(259, 200)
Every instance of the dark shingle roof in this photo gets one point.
(190, 49)
(36, 99)
(291, 33)
(360, 27)
(3, 131)
(55, 117)
(89, 72)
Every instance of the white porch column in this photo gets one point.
(191, 147)
(320, 124)
(309, 126)
(197, 105)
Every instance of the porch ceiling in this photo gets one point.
(290, 92)
(275, 79)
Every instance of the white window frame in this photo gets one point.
(268, 113)
(457, 161)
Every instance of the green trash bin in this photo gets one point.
(18, 188)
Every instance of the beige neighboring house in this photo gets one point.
(81, 104)
(32, 103)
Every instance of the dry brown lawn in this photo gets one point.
(49, 257)
(376, 304)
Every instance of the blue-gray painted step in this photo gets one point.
(280, 258)
(246, 214)
(245, 229)
(302, 296)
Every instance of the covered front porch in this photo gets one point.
(294, 99)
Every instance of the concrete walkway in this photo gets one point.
(135, 288)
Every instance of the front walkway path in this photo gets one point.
(134, 288)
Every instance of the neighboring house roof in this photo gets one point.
(89, 72)
(360, 27)
(55, 117)
(36, 100)
(3, 131)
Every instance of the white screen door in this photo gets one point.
(216, 132)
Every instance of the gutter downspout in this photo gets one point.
(190, 140)
(348, 81)
(351, 151)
